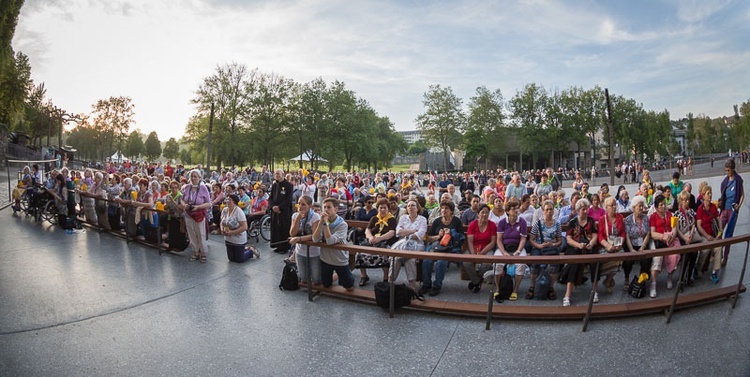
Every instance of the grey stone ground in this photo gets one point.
(90, 304)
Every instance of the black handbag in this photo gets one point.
(636, 289)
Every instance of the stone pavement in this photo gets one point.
(91, 305)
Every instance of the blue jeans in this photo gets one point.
(314, 268)
(346, 279)
(427, 264)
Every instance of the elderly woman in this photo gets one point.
(481, 237)
(304, 221)
(511, 241)
(730, 202)
(23, 184)
(545, 239)
(611, 235)
(707, 216)
(217, 198)
(582, 239)
(233, 227)
(638, 235)
(410, 230)
(447, 223)
(664, 235)
(196, 201)
(98, 191)
(128, 194)
(87, 201)
(623, 201)
(380, 232)
(114, 188)
(688, 234)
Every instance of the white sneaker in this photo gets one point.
(566, 301)
(79, 231)
(669, 282)
(652, 294)
(596, 297)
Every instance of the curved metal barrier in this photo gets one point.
(668, 305)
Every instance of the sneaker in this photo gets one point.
(669, 282)
(513, 296)
(566, 301)
(652, 294)
(596, 297)
(79, 231)
(424, 289)
(68, 231)
(715, 277)
(434, 292)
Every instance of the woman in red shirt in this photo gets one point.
(664, 235)
(707, 214)
(481, 236)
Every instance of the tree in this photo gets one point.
(152, 146)
(133, 145)
(268, 114)
(171, 149)
(443, 120)
(529, 110)
(227, 89)
(485, 120)
(15, 71)
(418, 147)
(113, 117)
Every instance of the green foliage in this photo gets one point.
(443, 121)
(134, 145)
(152, 147)
(418, 147)
(484, 123)
(185, 157)
(15, 72)
(113, 117)
(171, 149)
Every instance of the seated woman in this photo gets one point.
(611, 235)
(380, 232)
(688, 233)
(545, 239)
(596, 211)
(145, 200)
(481, 237)
(449, 224)
(664, 235)
(233, 225)
(217, 198)
(98, 191)
(410, 230)
(511, 240)
(24, 184)
(638, 233)
(114, 188)
(582, 239)
(623, 201)
(708, 215)
(87, 200)
(258, 205)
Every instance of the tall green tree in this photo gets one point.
(15, 71)
(227, 89)
(268, 114)
(113, 117)
(307, 128)
(134, 145)
(443, 121)
(485, 121)
(529, 111)
(171, 149)
(152, 146)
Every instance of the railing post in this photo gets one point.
(591, 299)
(489, 306)
(742, 276)
(678, 287)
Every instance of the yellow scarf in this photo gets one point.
(383, 221)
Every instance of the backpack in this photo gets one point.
(506, 287)
(402, 295)
(543, 282)
(289, 278)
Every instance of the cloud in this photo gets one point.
(699, 10)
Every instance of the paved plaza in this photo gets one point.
(93, 305)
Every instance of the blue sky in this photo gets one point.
(683, 56)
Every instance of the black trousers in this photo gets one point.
(280, 224)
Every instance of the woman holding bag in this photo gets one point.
(380, 232)
(665, 235)
(582, 238)
(196, 201)
(611, 234)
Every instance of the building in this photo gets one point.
(411, 137)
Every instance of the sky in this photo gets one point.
(680, 55)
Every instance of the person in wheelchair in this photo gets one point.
(24, 185)
(258, 206)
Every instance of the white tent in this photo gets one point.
(118, 157)
(307, 157)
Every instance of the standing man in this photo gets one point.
(281, 212)
(730, 202)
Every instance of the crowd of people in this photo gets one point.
(486, 212)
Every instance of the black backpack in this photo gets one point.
(289, 278)
(541, 291)
(506, 287)
(402, 295)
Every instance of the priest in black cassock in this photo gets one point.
(281, 212)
